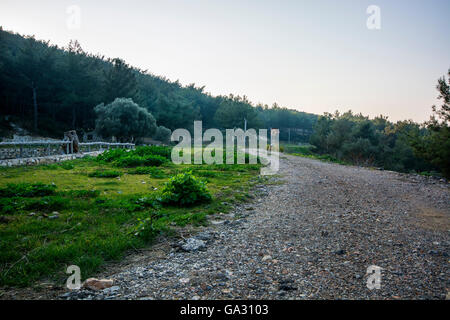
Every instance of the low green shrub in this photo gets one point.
(162, 151)
(185, 189)
(157, 173)
(67, 166)
(81, 194)
(111, 155)
(46, 204)
(136, 156)
(105, 174)
(27, 190)
(9, 205)
(154, 172)
(131, 161)
(145, 228)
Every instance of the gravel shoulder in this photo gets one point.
(311, 237)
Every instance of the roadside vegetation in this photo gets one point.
(93, 210)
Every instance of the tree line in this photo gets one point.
(49, 90)
(402, 146)
(52, 89)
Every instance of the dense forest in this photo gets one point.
(48, 90)
(403, 146)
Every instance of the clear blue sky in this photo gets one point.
(315, 56)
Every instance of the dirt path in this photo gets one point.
(312, 237)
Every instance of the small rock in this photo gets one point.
(111, 290)
(98, 284)
(193, 244)
(184, 280)
(266, 257)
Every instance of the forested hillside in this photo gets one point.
(50, 89)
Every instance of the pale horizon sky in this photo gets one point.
(313, 56)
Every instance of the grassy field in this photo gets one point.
(307, 151)
(89, 212)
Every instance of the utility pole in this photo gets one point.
(289, 132)
(245, 124)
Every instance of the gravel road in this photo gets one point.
(311, 237)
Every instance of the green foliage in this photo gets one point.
(163, 134)
(185, 189)
(46, 204)
(232, 112)
(153, 150)
(27, 190)
(157, 173)
(145, 228)
(130, 161)
(111, 155)
(105, 174)
(140, 170)
(356, 139)
(123, 119)
(83, 81)
(96, 225)
(67, 166)
(434, 144)
(304, 149)
(152, 171)
(81, 194)
(9, 205)
(141, 156)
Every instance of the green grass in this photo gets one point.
(98, 216)
(325, 157)
(308, 151)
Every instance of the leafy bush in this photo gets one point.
(82, 193)
(67, 166)
(105, 174)
(145, 228)
(46, 204)
(157, 173)
(141, 156)
(131, 161)
(111, 155)
(162, 134)
(27, 190)
(8, 205)
(185, 189)
(123, 119)
(153, 150)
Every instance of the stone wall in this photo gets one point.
(45, 159)
(30, 152)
